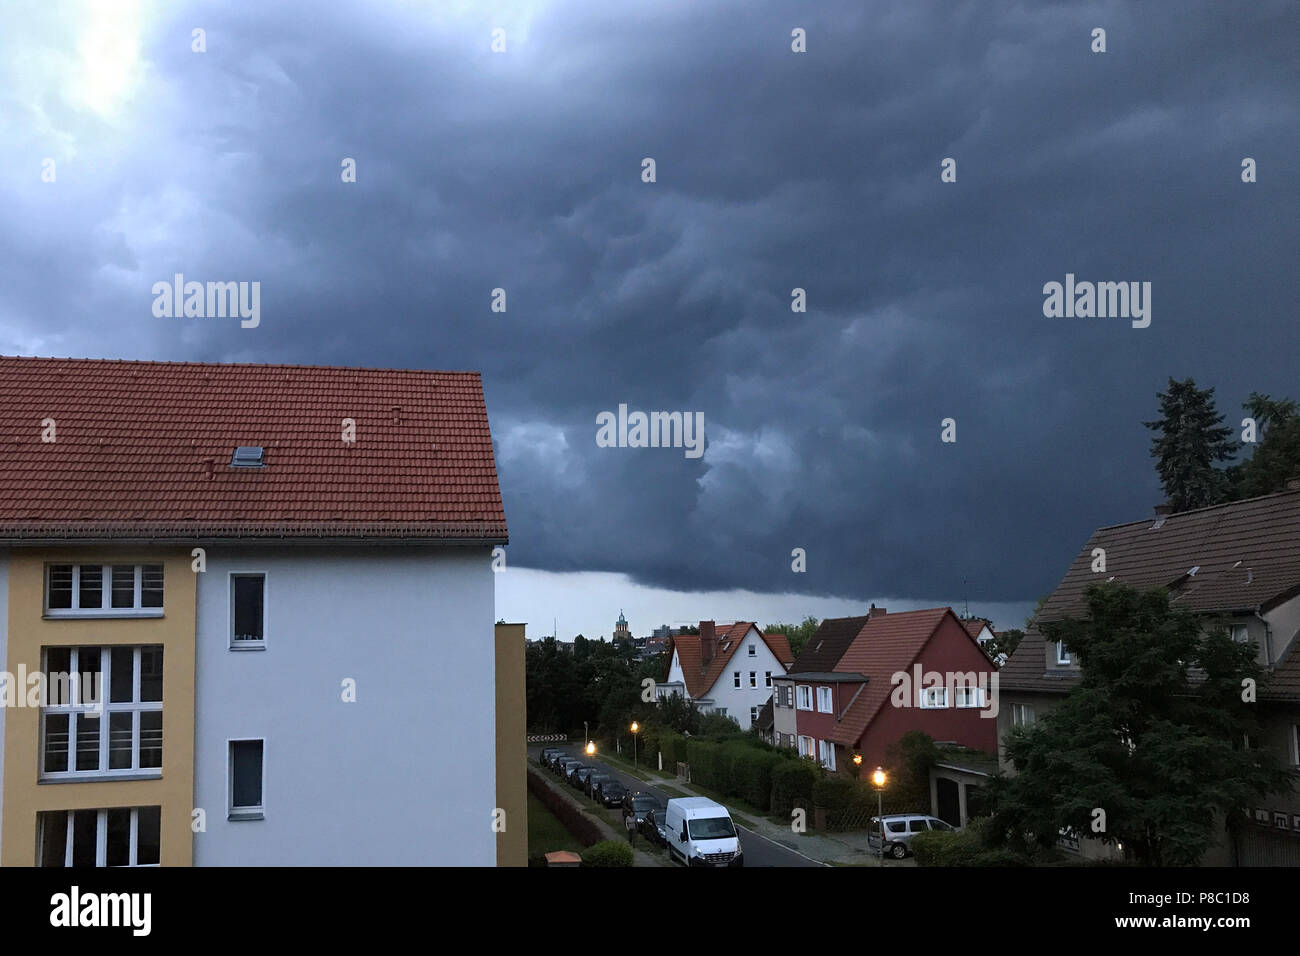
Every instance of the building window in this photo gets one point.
(248, 610)
(970, 696)
(753, 679)
(767, 678)
(1062, 653)
(735, 678)
(104, 590)
(826, 752)
(1240, 633)
(824, 704)
(122, 836)
(803, 697)
(246, 769)
(102, 712)
(934, 698)
(753, 650)
(753, 714)
(1022, 715)
(1295, 745)
(806, 748)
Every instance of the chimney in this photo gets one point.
(876, 611)
(208, 465)
(708, 642)
(1164, 510)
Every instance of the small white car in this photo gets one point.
(900, 828)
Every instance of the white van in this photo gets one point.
(700, 833)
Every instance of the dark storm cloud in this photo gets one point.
(522, 170)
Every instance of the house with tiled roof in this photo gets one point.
(863, 682)
(1237, 565)
(981, 629)
(726, 669)
(261, 576)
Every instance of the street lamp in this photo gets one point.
(586, 738)
(878, 779)
(635, 728)
(591, 748)
(857, 765)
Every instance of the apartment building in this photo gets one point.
(261, 577)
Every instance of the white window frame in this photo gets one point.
(825, 695)
(1022, 715)
(803, 697)
(806, 751)
(105, 592)
(753, 650)
(934, 698)
(102, 710)
(1062, 653)
(247, 645)
(826, 754)
(753, 715)
(1243, 629)
(101, 837)
(735, 679)
(243, 813)
(967, 696)
(767, 679)
(753, 678)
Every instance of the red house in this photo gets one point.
(864, 682)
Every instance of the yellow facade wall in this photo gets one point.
(29, 632)
(512, 746)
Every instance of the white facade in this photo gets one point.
(739, 702)
(405, 775)
(4, 657)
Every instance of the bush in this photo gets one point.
(751, 772)
(792, 786)
(608, 853)
(848, 803)
(965, 848)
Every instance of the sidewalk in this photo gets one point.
(639, 857)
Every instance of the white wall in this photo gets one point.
(738, 701)
(406, 775)
(4, 663)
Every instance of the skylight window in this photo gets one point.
(247, 456)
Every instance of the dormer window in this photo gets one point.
(1062, 653)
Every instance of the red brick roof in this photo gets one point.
(884, 646)
(131, 439)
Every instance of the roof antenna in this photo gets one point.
(966, 598)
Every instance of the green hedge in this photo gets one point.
(964, 848)
(792, 786)
(582, 827)
(608, 853)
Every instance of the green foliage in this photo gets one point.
(1276, 458)
(1190, 440)
(1004, 642)
(796, 634)
(908, 761)
(792, 785)
(608, 853)
(969, 847)
(1138, 737)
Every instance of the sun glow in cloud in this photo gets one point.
(108, 50)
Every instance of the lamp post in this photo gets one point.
(635, 728)
(857, 766)
(878, 779)
(586, 738)
(591, 748)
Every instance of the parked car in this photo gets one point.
(700, 833)
(640, 803)
(610, 792)
(591, 780)
(900, 828)
(547, 753)
(564, 765)
(652, 827)
(579, 774)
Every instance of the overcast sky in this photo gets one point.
(522, 170)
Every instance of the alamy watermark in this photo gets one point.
(213, 300)
(653, 430)
(1101, 300)
(931, 690)
(39, 689)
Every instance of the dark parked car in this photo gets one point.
(610, 792)
(579, 774)
(592, 781)
(547, 753)
(564, 765)
(652, 828)
(640, 803)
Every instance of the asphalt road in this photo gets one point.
(759, 850)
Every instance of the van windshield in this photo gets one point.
(710, 828)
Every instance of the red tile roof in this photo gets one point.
(884, 646)
(131, 439)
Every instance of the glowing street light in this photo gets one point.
(878, 780)
(635, 728)
(591, 747)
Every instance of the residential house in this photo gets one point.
(727, 670)
(278, 583)
(982, 630)
(915, 670)
(1237, 565)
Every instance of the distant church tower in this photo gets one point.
(621, 633)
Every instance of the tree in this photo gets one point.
(1276, 458)
(1004, 642)
(796, 634)
(1191, 439)
(1152, 735)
